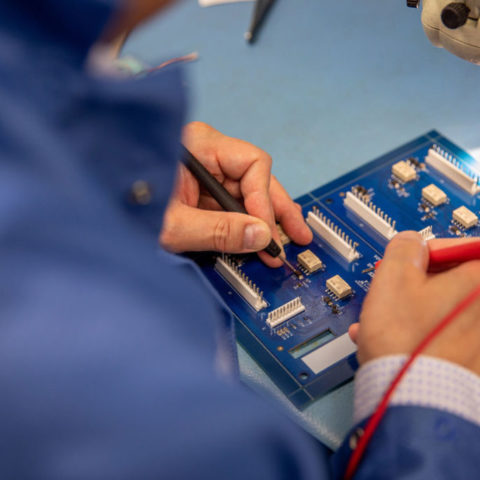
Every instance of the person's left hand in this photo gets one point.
(195, 222)
(406, 301)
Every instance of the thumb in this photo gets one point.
(191, 229)
(353, 330)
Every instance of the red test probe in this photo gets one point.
(443, 257)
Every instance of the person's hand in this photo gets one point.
(195, 222)
(405, 303)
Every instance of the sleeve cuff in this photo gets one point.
(430, 382)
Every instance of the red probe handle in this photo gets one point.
(452, 255)
(457, 254)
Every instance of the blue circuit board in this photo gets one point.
(304, 346)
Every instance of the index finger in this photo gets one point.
(229, 158)
(251, 167)
(289, 214)
(405, 259)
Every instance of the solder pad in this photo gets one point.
(309, 353)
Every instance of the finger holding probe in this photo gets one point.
(445, 253)
(227, 202)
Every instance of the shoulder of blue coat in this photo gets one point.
(76, 23)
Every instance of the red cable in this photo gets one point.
(458, 253)
(443, 257)
(382, 406)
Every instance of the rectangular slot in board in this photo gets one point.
(312, 344)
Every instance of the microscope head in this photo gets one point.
(451, 25)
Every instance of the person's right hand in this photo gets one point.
(405, 303)
(194, 221)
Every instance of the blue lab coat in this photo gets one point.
(113, 354)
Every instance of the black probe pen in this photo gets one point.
(260, 11)
(228, 203)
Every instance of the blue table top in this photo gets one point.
(327, 87)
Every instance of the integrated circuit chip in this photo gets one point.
(465, 217)
(309, 261)
(339, 286)
(434, 195)
(414, 161)
(404, 171)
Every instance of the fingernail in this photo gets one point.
(256, 236)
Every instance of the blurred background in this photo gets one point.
(326, 87)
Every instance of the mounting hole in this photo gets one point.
(329, 201)
(342, 194)
(303, 376)
(280, 348)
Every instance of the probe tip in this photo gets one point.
(298, 273)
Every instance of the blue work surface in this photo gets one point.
(327, 87)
